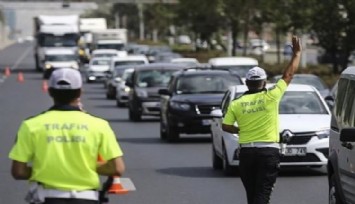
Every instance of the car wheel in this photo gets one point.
(334, 197)
(172, 134)
(227, 168)
(134, 116)
(217, 162)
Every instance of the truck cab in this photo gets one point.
(54, 32)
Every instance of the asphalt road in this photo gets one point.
(179, 173)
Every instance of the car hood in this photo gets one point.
(99, 68)
(199, 98)
(304, 122)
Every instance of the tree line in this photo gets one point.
(331, 21)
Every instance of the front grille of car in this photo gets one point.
(301, 138)
(310, 157)
(205, 109)
(325, 151)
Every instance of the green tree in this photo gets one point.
(203, 19)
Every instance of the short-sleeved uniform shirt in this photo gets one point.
(63, 145)
(257, 114)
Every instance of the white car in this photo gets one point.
(304, 117)
(128, 60)
(239, 65)
(122, 90)
(108, 53)
(98, 69)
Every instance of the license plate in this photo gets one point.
(206, 122)
(295, 151)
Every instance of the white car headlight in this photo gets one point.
(180, 106)
(126, 89)
(322, 134)
(142, 93)
(47, 66)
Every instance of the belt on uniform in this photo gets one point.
(37, 194)
(261, 145)
(88, 194)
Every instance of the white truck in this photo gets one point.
(54, 31)
(90, 25)
(109, 39)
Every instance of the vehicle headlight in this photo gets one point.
(48, 66)
(322, 134)
(142, 93)
(180, 106)
(126, 89)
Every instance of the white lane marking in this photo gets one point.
(19, 60)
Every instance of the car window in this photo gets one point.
(153, 78)
(105, 55)
(127, 74)
(205, 84)
(101, 62)
(130, 62)
(60, 58)
(301, 102)
(339, 101)
(348, 106)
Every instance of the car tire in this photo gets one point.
(334, 197)
(134, 116)
(227, 168)
(217, 162)
(172, 134)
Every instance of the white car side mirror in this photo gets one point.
(217, 113)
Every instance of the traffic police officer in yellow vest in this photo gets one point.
(57, 150)
(256, 114)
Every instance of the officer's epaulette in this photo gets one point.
(33, 116)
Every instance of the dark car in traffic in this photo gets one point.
(187, 102)
(145, 81)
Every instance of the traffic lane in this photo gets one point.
(18, 102)
(182, 172)
(162, 172)
(12, 54)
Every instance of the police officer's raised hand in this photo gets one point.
(296, 45)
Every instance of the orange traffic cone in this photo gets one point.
(44, 86)
(20, 77)
(7, 71)
(116, 187)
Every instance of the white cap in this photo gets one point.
(66, 79)
(256, 73)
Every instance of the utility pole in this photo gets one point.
(141, 21)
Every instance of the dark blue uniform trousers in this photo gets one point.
(259, 168)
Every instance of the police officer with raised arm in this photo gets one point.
(256, 113)
(57, 150)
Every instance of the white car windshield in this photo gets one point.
(105, 55)
(60, 58)
(205, 84)
(101, 62)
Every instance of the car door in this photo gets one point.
(347, 152)
(218, 122)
